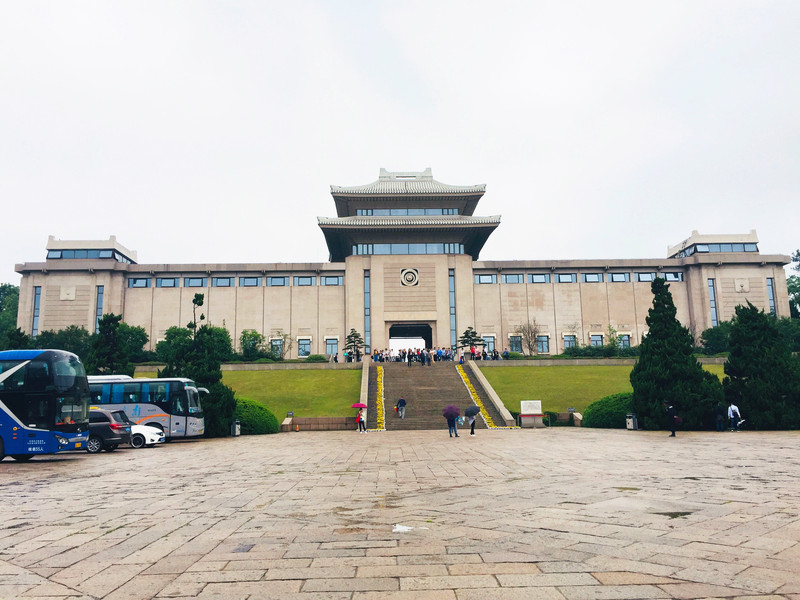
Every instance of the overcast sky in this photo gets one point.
(207, 132)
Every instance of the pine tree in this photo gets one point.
(761, 374)
(470, 338)
(667, 371)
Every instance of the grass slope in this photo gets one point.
(317, 393)
(562, 387)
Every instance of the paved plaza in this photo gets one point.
(562, 513)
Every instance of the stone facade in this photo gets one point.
(419, 271)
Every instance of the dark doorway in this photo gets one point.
(423, 331)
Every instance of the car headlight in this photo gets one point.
(62, 441)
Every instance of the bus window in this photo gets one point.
(132, 393)
(159, 393)
(37, 376)
(14, 382)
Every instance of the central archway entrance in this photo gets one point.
(413, 335)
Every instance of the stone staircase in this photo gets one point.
(427, 391)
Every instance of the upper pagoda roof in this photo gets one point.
(406, 189)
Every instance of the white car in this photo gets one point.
(144, 435)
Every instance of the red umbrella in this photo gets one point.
(358, 405)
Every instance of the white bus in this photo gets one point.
(171, 404)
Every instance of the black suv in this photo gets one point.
(107, 430)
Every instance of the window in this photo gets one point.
(513, 278)
(367, 314)
(304, 280)
(570, 341)
(139, 282)
(488, 343)
(539, 278)
(624, 340)
(672, 276)
(98, 311)
(771, 296)
(167, 282)
(37, 299)
(303, 347)
(249, 281)
(644, 277)
(331, 346)
(223, 282)
(451, 280)
(331, 280)
(542, 344)
(566, 278)
(619, 277)
(401, 248)
(595, 339)
(277, 281)
(515, 343)
(712, 298)
(194, 281)
(276, 346)
(592, 277)
(479, 279)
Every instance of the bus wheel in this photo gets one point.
(2, 449)
(22, 457)
(137, 441)
(94, 445)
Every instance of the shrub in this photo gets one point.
(316, 358)
(609, 412)
(254, 418)
(516, 356)
(218, 407)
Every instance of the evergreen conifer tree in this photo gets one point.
(761, 376)
(668, 371)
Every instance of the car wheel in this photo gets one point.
(22, 457)
(137, 440)
(94, 445)
(111, 447)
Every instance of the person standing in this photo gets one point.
(401, 408)
(471, 421)
(734, 417)
(719, 416)
(670, 417)
(362, 424)
(452, 427)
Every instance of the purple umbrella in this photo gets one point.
(451, 410)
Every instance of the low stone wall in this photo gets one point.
(319, 424)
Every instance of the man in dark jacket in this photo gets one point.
(670, 417)
(401, 408)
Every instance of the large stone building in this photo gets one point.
(404, 263)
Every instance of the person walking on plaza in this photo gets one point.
(362, 424)
(401, 408)
(671, 417)
(471, 421)
(452, 427)
(735, 419)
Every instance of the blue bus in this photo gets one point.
(44, 403)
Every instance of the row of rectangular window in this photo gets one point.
(714, 248)
(404, 212)
(66, 254)
(405, 249)
(570, 341)
(174, 282)
(573, 277)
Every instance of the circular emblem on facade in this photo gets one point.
(409, 276)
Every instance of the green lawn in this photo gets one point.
(324, 393)
(312, 393)
(562, 387)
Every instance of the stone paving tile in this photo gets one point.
(321, 507)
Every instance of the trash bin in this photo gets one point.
(630, 421)
(236, 428)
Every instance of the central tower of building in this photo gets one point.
(408, 242)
